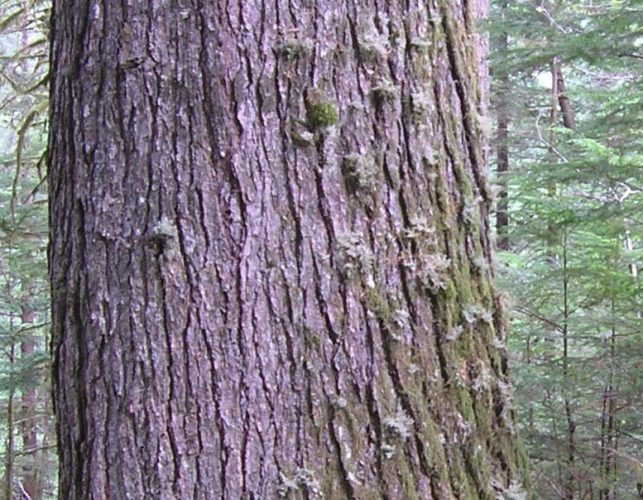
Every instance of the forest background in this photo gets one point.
(566, 133)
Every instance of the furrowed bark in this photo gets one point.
(270, 255)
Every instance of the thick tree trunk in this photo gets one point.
(270, 256)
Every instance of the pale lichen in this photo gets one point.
(419, 229)
(515, 490)
(373, 46)
(421, 106)
(473, 312)
(470, 212)
(399, 426)
(303, 480)
(164, 235)
(401, 318)
(339, 402)
(388, 450)
(164, 229)
(360, 172)
(432, 271)
(480, 264)
(454, 333)
(355, 255)
(420, 44)
(300, 135)
(291, 49)
(483, 378)
(499, 344)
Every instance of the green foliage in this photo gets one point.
(24, 301)
(576, 199)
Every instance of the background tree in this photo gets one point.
(270, 254)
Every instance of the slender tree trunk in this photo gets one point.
(569, 121)
(553, 238)
(502, 137)
(31, 473)
(270, 254)
(9, 449)
(559, 99)
(554, 416)
(608, 420)
(570, 462)
(529, 358)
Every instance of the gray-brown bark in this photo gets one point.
(270, 260)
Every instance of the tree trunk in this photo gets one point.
(270, 258)
(558, 234)
(9, 446)
(609, 424)
(570, 460)
(31, 472)
(502, 136)
(569, 121)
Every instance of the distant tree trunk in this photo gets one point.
(270, 256)
(556, 235)
(570, 460)
(563, 101)
(609, 431)
(502, 137)
(31, 473)
(9, 447)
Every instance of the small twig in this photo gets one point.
(31, 451)
(551, 483)
(22, 131)
(547, 321)
(545, 142)
(35, 190)
(541, 8)
(635, 56)
(24, 492)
